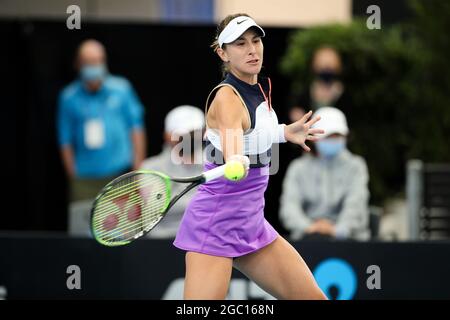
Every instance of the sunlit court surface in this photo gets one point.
(226, 159)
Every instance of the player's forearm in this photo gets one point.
(68, 160)
(139, 147)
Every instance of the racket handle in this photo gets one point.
(214, 173)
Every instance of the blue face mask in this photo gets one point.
(330, 147)
(93, 72)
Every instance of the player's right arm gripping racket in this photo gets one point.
(133, 204)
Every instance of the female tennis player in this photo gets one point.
(224, 224)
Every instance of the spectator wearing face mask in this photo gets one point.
(100, 125)
(326, 88)
(325, 196)
(181, 156)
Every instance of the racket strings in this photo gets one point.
(125, 197)
(132, 194)
(118, 187)
(130, 220)
(129, 207)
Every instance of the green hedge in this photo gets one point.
(397, 79)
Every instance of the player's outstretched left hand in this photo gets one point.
(300, 131)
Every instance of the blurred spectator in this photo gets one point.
(326, 88)
(100, 126)
(182, 156)
(326, 195)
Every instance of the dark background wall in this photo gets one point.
(34, 267)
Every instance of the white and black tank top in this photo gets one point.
(263, 130)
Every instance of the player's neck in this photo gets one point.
(246, 77)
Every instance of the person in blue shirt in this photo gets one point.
(100, 124)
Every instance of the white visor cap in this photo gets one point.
(184, 119)
(236, 27)
(332, 120)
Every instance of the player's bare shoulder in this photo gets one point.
(226, 103)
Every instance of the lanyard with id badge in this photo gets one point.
(94, 133)
(94, 130)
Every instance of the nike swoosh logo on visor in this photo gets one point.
(239, 22)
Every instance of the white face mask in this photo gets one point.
(331, 147)
(93, 72)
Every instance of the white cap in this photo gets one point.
(184, 119)
(236, 27)
(332, 121)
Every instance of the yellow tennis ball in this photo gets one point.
(234, 170)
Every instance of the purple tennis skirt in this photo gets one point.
(226, 218)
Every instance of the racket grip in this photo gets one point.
(214, 173)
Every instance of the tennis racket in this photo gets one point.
(133, 204)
